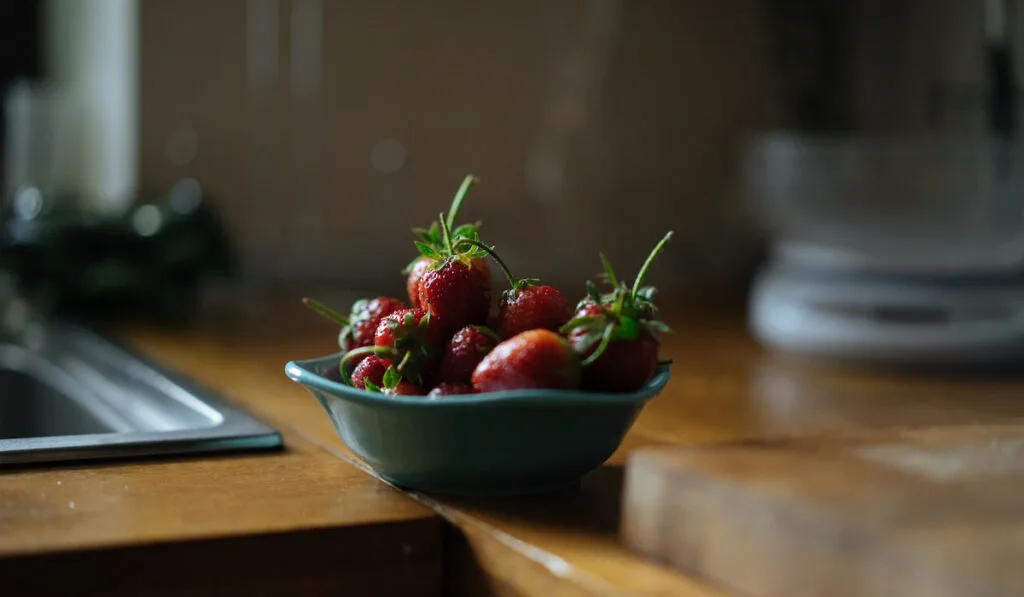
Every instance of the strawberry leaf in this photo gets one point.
(391, 377)
(606, 340)
(647, 293)
(465, 231)
(588, 340)
(656, 327)
(427, 251)
(371, 387)
(493, 335)
(608, 271)
(587, 321)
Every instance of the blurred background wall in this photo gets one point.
(325, 129)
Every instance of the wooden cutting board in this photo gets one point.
(930, 512)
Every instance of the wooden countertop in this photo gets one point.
(724, 387)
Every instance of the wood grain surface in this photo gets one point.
(922, 513)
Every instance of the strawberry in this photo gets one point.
(410, 339)
(617, 333)
(359, 327)
(456, 293)
(532, 359)
(408, 329)
(371, 369)
(526, 305)
(393, 384)
(624, 366)
(465, 350)
(532, 307)
(404, 388)
(450, 389)
(434, 246)
(416, 270)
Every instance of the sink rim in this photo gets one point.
(236, 431)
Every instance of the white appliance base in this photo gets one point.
(890, 320)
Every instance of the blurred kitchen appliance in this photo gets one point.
(893, 183)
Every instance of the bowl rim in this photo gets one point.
(304, 372)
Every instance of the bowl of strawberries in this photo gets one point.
(437, 394)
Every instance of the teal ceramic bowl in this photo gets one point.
(501, 443)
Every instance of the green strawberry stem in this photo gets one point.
(508, 274)
(345, 379)
(326, 311)
(446, 236)
(647, 264)
(460, 195)
(405, 361)
(514, 282)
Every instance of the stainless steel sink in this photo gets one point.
(82, 397)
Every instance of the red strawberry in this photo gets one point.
(404, 388)
(624, 366)
(412, 284)
(465, 351)
(435, 243)
(532, 359)
(372, 369)
(532, 307)
(616, 334)
(450, 389)
(359, 327)
(410, 340)
(456, 292)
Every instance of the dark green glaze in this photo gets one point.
(516, 442)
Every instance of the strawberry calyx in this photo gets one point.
(437, 242)
(410, 351)
(619, 315)
(392, 377)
